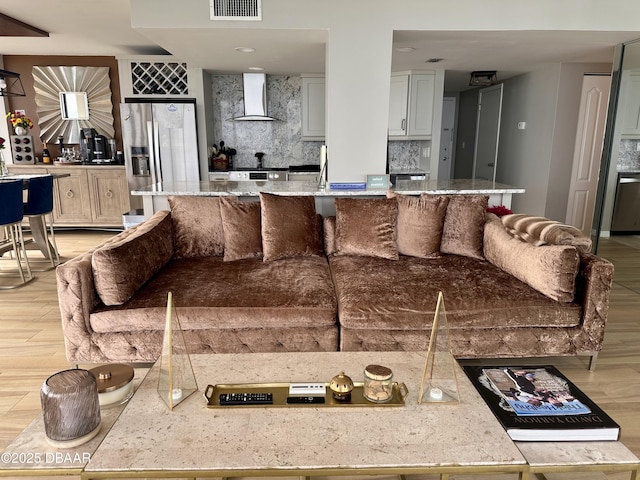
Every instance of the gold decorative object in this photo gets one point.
(177, 380)
(341, 386)
(115, 383)
(439, 380)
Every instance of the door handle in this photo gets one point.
(491, 164)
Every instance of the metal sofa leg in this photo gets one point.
(592, 362)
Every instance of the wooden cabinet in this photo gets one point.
(109, 195)
(630, 95)
(411, 105)
(313, 108)
(86, 196)
(71, 203)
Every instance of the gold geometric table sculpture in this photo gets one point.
(439, 380)
(177, 380)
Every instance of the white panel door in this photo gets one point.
(485, 155)
(588, 151)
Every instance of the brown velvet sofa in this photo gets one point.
(253, 276)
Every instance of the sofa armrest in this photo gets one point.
(593, 289)
(78, 297)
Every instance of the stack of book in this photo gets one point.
(541, 404)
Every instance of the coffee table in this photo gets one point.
(193, 440)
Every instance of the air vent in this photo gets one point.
(236, 9)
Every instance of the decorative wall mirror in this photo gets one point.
(71, 98)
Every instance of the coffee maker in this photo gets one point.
(93, 147)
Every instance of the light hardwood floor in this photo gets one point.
(31, 343)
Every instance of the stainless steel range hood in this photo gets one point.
(255, 98)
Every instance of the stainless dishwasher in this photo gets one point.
(626, 209)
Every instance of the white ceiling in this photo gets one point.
(103, 27)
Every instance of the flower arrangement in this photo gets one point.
(19, 120)
(499, 210)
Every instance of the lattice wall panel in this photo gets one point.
(159, 78)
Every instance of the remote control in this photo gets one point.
(305, 399)
(246, 398)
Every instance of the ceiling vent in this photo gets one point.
(236, 9)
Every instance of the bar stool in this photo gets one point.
(11, 215)
(39, 206)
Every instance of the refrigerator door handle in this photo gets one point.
(156, 151)
(152, 158)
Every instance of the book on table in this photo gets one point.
(540, 404)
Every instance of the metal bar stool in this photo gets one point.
(38, 207)
(11, 215)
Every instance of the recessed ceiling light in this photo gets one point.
(256, 69)
(245, 49)
(405, 49)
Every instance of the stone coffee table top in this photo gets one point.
(192, 438)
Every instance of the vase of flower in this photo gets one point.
(20, 123)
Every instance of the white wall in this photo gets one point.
(524, 156)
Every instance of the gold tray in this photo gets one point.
(280, 393)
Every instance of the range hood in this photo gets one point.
(255, 97)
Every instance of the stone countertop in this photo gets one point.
(245, 188)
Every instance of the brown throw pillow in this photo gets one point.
(241, 225)
(464, 225)
(290, 227)
(420, 222)
(197, 226)
(130, 259)
(366, 227)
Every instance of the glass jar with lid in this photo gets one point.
(378, 383)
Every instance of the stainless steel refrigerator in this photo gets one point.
(160, 141)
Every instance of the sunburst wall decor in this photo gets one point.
(49, 82)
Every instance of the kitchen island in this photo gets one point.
(155, 196)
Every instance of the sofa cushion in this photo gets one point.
(366, 226)
(197, 226)
(122, 266)
(210, 294)
(550, 269)
(241, 225)
(290, 227)
(462, 233)
(378, 294)
(420, 222)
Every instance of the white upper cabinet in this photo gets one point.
(313, 108)
(630, 92)
(398, 106)
(411, 104)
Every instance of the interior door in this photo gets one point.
(588, 151)
(445, 159)
(485, 156)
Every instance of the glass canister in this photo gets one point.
(378, 383)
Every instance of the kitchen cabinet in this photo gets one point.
(411, 105)
(398, 106)
(313, 108)
(630, 92)
(89, 196)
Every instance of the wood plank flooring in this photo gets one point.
(31, 343)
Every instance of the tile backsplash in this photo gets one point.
(629, 156)
(281, 140)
